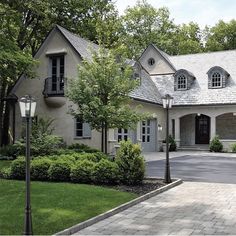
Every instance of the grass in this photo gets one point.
(55, 206)
(4, 164)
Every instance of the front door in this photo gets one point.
(202, 129)
(148, 135)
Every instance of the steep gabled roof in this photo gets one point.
(82, 46)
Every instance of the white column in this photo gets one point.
(111, 135)
(139, 140)
(177, 131)
(213, 127)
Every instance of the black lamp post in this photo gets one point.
(27, 108)
(167, 104)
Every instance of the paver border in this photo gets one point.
(118, 209)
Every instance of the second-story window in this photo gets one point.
(181, 82)
(57, 74)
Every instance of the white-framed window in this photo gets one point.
(216, 80)
(181, 82)
(122, 134)
(82, 130)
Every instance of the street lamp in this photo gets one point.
(167, 104)
(27, 109)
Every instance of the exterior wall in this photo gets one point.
(160, 67)
(226, 126)
(187, 130)
(64, 122)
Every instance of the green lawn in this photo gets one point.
(4, 164)
(55, 206)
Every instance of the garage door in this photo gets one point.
(149, 135)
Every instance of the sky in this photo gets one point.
(203, 12)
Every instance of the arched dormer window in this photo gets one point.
(217, 77)
(183, 79)
(182, 82)
(216, 80)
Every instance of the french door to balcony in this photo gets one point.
(57, 75)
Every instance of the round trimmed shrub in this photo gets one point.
(18, 168)
(216, 145)
(39, 169)
(105, 172)
(82, 172)
(130, 163)
(59, 171)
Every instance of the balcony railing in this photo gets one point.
(54, 86)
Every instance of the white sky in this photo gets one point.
(204, 12)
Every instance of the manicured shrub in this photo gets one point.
(18, 168)
(82, 171)
(105, 172)
(130, 163)
(172, 144)
(94, 157)
(13, 150)
(233, 147)
(79, 147)
(5, 173)
(39, 169)
(59, 171)
(216, 145)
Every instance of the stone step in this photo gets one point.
(194, 148)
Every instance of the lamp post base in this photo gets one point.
(28, 222)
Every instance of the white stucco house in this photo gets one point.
(203, 87)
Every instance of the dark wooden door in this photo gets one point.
(202, 129)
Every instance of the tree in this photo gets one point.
(101, 93)
(29, 21)
(187, 39)
(144, 24)
(13, 62)
(222, 36)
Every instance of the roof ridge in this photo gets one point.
(201, 53)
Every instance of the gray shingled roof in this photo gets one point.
(154, 87)
(82, 46)
(199, 64)
(147, 91)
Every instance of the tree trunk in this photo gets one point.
(5, 136)
(102, 139)
(2, 95)
(105, 141)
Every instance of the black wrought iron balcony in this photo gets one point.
(54, 87)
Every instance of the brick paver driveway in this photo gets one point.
(192, 208)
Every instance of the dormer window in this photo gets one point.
(183, 79)
(181, 82)
(217, 77)
(216, 80)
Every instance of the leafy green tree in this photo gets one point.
(187, 39)
(144, 24)
(101, 93)
(222, 36)
(13, 62)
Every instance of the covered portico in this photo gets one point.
(198, 125)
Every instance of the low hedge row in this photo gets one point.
(77, 171)
(128, 167)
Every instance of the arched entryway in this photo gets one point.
(194, 129)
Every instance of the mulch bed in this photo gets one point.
(147, 186)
